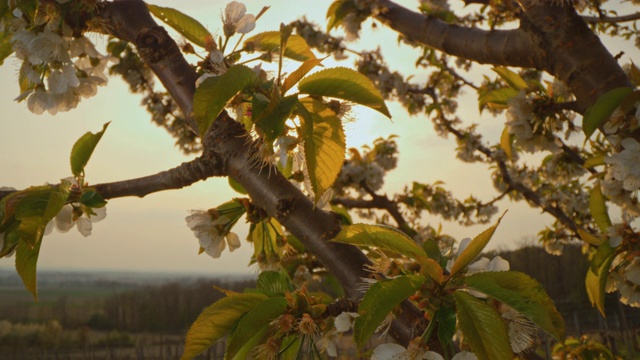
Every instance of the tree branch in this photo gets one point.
(611, 19)
(227, 138)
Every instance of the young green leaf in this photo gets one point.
(299, 73)
(271, 120)
(596, 279)
(215, 92)
(514, 80)
(296, 49)
(324, 144)
(599, 112)
(378, 302)
(390, 239)
(337, 11)
(598, 208)
(346, 84)
(446, 318)
(589, 238)
(6, 47)
(257, 318)
(523, 294)
(482, 327)
(496, 99)
(83, 149)
(218, 320)
(594, 161)
(474, 249)
(505, 143)
(274, 282)
(26, 263)
(187, 26)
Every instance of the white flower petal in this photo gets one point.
(465, 355)
(84, 226)
(246, 24)
(64, 219)
(234, 12)
(498, 264)
(432, 355)
(234, 241)
(216, 247)
(387, 351)
(342, 322)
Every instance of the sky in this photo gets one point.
(150, 234)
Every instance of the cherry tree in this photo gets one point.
(569, 147)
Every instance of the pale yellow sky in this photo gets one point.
(150, 234)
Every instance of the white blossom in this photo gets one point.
(344, 321)
(236, 20)
(47, 47)
(553, 247)
(69, 216)
(519, 118)
(61, 80)
(522, 331)
(624, 165)
(633, 271)
(211, 233)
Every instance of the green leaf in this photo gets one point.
(337, 11)
(594, 161)
(246, 349)
(346, 84)
(483, 328)
(215, 92)
(83, 149)
(324, 144)
(300, 72)
(390, 239)
(10, 237)
(596, 279)
(589, 238)
(378, 302)
(598, 208)
(512, 79)
(274, 282)
(187, 26)
(237, 186)
(92, 198)
(218, 320)
(505, 143)
(446, 318)
(272, 120)
(6, 47)
(254, 320)
(523, 294)
(496, 99)
(26, 262)
(475, 247)
(599, 112)
(297, 48)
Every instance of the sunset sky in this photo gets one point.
(150, 234)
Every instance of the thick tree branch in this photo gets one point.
(498, 47)
(611, 19)
(268, 189)
(551, 38)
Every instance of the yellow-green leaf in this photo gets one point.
(599, 112)
(187, 26)
(215, 92)
(475, 247)
(512, 79)
(589, 238)
(218, 320)
(297, 48)
(378, 302)
(483, 328)
(271, 120)
(390, 239)
(299, 73)
(634, 74)
(594, 161)
(598, 208)
(346, 84)
(523, 294)
(6, 47)
(496, 99)
(505, 143)
(26, 262)
(83, 149)
(257, 318)
(596, 282)
(337, 11)
(324, 144)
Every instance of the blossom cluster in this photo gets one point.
(59, 68)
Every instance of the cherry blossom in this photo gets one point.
(213, 234)
(236, 20)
